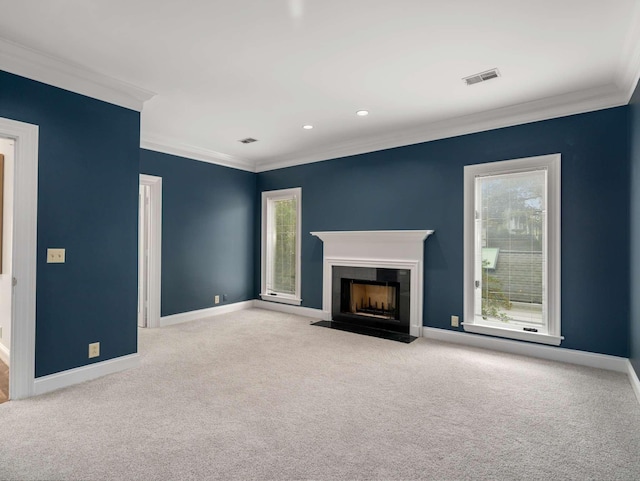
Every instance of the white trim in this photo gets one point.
(297, 310)
(51, 70)
(155, 248)
(374, 236)
(161, 144)
(85, 373)
(628, 70)
(513, 334)
(294, 301)
(267, 196)
(23, 324)
(573, 103)
(582, 358)
(633, 379)
(204, 313)
(377, 249)
(5, 355)
(552, 163)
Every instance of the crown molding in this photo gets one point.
(51, 70)
(159, 144)
(573, 103)
(35, 65)
(628, 71)
(552, 107)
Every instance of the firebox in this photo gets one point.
(372, 297)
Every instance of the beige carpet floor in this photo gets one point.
(265, 396)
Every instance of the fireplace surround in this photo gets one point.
(381, 252)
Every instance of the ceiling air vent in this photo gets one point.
(482, 77)
(248, 140)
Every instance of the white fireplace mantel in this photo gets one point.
(391, 249)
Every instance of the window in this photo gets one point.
(281, 245)
(512, 249)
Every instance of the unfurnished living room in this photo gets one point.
(319, 240)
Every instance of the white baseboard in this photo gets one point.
(204, 313)
(298, 310)
(4, 354)
(633, 379)
(582, 358)
(85, 373)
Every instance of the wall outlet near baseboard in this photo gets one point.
(217, 300)
(224, 297)
(455, 321)
(94, 349)
(55, 256)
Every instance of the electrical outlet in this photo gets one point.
(217, 300)
(55, 256)
(94, 349)
(455, 322)
(224, 297)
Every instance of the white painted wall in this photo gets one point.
(6, 148)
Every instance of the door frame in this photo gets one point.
(24, 258)
(154, 273)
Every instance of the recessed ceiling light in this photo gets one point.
(362, 113)
(307, 127)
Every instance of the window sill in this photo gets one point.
(281, 299)
(513, 334)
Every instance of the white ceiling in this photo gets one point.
(223, 70)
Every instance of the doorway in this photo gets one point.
(149, 250)
(143, 256)
(23, 256)
(7, 151)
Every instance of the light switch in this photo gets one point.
(55, 256)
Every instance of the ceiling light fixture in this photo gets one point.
(307, 127)
(362, 113)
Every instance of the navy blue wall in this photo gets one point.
(87, 203)
(89, 161)
(207, 231)
(634, 337)
(421, 187)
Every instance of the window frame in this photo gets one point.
(267, 197)
(471, 323)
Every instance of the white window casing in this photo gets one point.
(548, 331)
(271, 289)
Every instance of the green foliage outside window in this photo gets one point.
(284, 265)
(494, 300)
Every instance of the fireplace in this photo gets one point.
(358, 263)
(371, 297)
